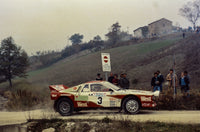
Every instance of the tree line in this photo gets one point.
(114, 36)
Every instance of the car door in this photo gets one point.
(99, 95)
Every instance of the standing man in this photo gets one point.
(121, 81)
(183, 34)
(99, 78)
(187, 79)
(155, 82)
(111, 77)
(125, 81)
(161, 79)
(183, 82)
(170, 78)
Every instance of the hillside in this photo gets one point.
(139, 61)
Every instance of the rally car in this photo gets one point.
(100, 94)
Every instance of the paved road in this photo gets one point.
(186, 117)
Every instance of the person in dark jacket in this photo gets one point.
(161, 79)
(111, 77)
(188, 83)
(99, 78)
(155, 82)
(184, 83)
(121, 81)
(125, 81)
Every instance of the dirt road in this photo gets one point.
(187, 117)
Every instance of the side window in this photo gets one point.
(86, 88)
(98, 88)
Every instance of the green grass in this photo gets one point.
(143, 48)
(149, 47)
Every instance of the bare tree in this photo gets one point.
(191, 11)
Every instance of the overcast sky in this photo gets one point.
(46, 24)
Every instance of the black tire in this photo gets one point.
(131, 105)
(65, 107)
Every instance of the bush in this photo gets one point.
(167, 102)
(25, 96)
(21, 100)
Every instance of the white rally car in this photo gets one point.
(99, 94)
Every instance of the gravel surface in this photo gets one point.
(186, 117)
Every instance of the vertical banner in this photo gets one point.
(106, 65)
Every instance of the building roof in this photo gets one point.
(160, 20)
(139, 28)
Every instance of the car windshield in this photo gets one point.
(112, 86)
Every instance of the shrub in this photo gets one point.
(21, 100)
(25, 96)
(167, 101)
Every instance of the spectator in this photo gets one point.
(125, 81)
(160, 76)
(99, 78)
(111, 77)
(183, 35)
(115, 80)
(155, 82)
(187, 82)
(184, 82)
(121, 81)
(170, 78)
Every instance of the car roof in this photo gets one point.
(95, 82)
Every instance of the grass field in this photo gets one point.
(78, 69)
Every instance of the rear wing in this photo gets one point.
(57, 88)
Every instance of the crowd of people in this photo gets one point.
(122, 82)
(156, 81)
(172, 80)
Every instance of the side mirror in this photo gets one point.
(110, 90)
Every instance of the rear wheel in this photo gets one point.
(131, 105)
(65, 107)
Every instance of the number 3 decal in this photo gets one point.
(99, 100)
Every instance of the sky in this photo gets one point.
(41, 25)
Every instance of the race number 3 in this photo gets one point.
(99, 100)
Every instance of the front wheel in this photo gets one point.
(65, 107)
(131, 105)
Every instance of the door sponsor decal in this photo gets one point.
(112, 103)
(99, 94)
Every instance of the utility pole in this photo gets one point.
(174, 76)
